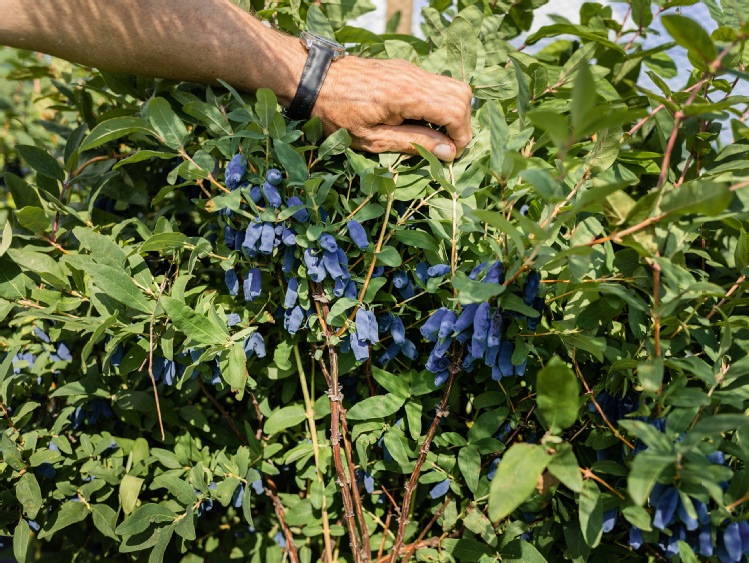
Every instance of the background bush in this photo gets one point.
(535, 353)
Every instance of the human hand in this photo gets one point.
(372, 98)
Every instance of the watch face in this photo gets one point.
(308, 38)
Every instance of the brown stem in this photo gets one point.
(440, 511)
(595, 402)
(588, 474)
(410, 487)
(731, 291)
(223, 412)
(270, 490)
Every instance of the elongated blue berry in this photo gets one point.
(494, 273)
(302, 215)
(359, 347)
(506, 349)
(288, 237)
(235, 170)
(408, 349)
(253, 284)
(665, 508)
(232, 319)
(397, 330)
(465, 320)
(432, 325)
(378, 271)
(332, 266)
(689, 521)
(292, 293)
(256, 344)
(289, 260)
(440, 489)
(438, 270)
(327, 242)
(495, 329)
(251, 238)
(256, 194)
(477, 270)
(274, 176)
(732, 541)
(705, 541)
(41, 335)
(267, 238)
(229, 236)
(271, 195)
(351, 290)
(231, 281)
(358, 234)
(422, 272)
(238, 496)
(63, 352)
(447, 325)
(609, 519)
(293, 319)
(530, 287)
(635, 538)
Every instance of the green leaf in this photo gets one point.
(199, 328)
(389, 256)
(41, 161)
(265, 107)
(740, 253)
(22, 542)
(169, 127)
(115, 128)
(33, 218)
(164, 241)
(417, 238)
(11, 456)
(461, 43)
(143, 518)
(118, 285)
(392, 383)
(208, 115)
(471, 291)
(69, 513)
(164, 537)
(583, 99)
(646, 468)
(284, 419)
(336, 143)
(650, 374)
(564, 467)
(292, 161)
(469, 461)
(591, 513)
(129, 491)
(699, 196)
(379, 406)
(516, 478)
(7, 238)
(688, 33)
(29, 495)
(558, 395)
(105, 519)
(236, 373)
(397, 444)
(520, 551)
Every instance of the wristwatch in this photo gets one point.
(320, 53)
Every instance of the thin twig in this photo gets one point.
(150, 356)
(588, 474)
(441, 412)
(595, 402)
(270, 490)
(223, 412)
(731, 291)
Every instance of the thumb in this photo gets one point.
(401, 138)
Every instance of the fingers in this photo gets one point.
(442, 101)
(401, 138)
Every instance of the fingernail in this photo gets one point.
(443, 152)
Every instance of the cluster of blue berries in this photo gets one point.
(480, 327)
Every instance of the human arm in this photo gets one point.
(206, 40)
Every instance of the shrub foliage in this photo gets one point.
(225, 336)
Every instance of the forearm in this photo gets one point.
(193, 40)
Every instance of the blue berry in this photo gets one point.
(358, 234)
(235, 170)
(271, 195)
(232, 282)
(274, 176)
(253, 284)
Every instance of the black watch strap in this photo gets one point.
(313, 75)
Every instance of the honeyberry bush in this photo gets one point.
(225, 336)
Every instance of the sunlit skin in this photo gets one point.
(206, 40)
